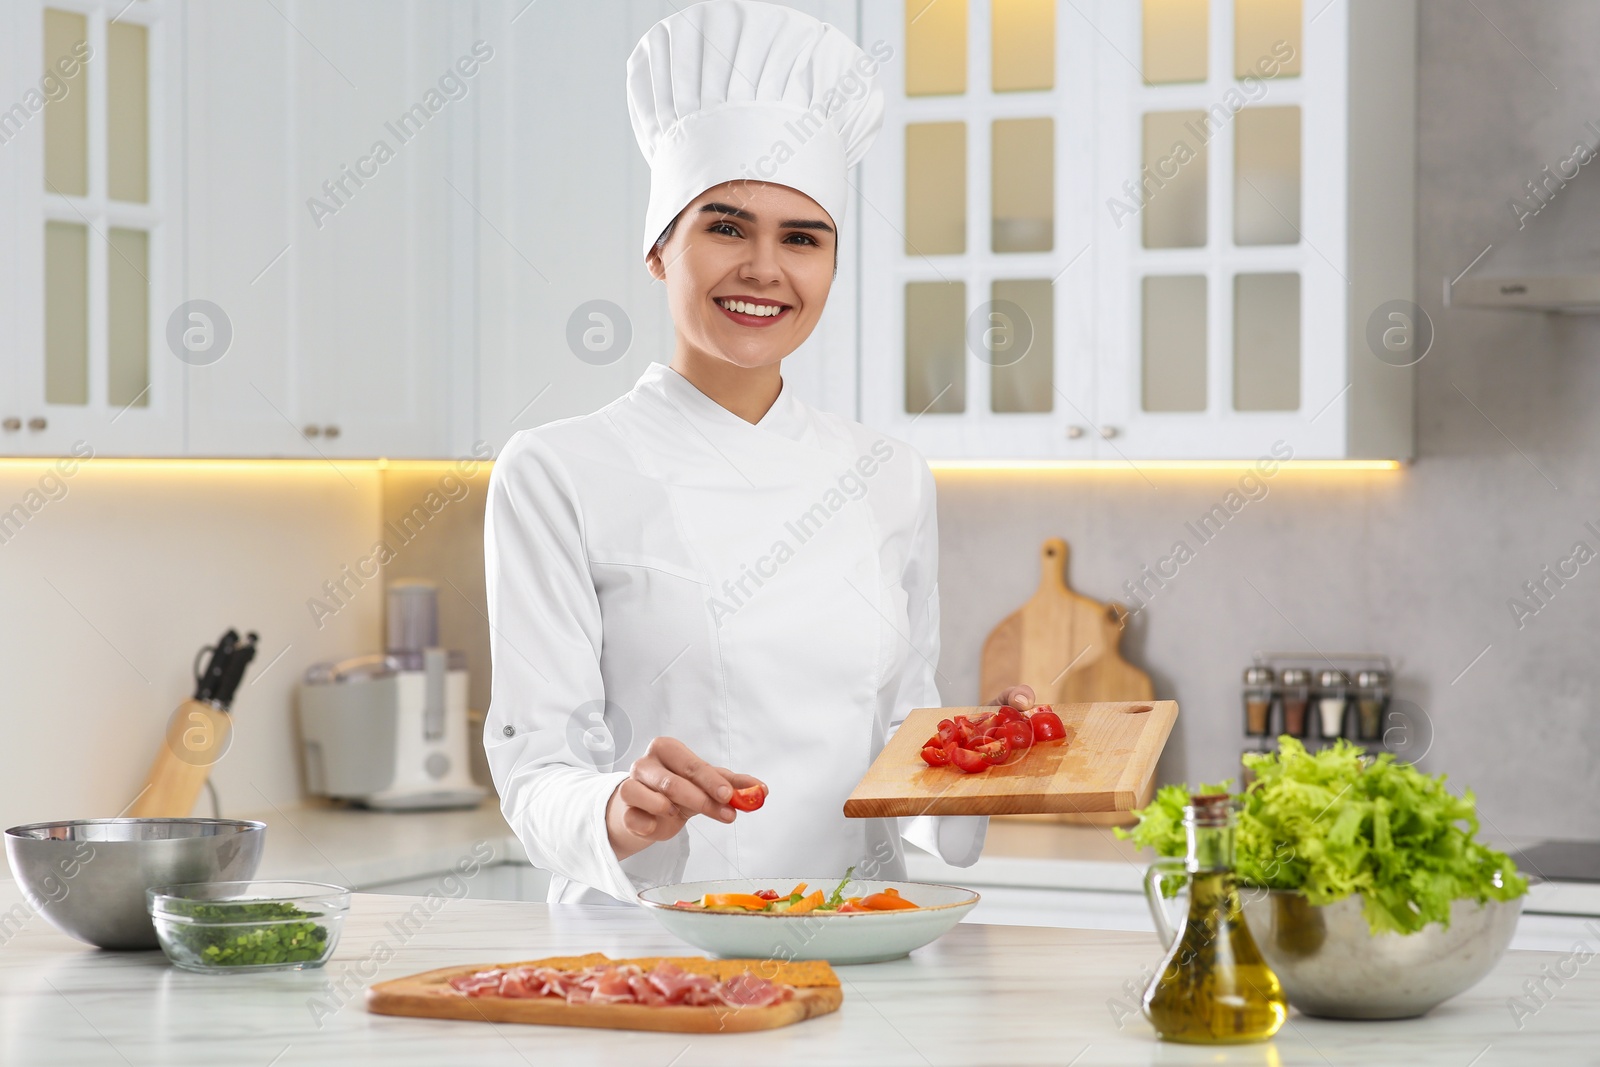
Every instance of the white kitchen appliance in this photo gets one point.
(389, 730)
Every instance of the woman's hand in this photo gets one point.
(665, 788)
(1018, 696)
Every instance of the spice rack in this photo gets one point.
(1317, 698)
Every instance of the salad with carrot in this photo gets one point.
(798, 901)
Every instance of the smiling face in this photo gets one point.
(748, 266)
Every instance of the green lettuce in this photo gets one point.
(1339, 822)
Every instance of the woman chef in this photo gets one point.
(707, 584)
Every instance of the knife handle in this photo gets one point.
(198, 734)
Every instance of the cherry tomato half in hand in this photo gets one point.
(748, 799)
(1047, 726)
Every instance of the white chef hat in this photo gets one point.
(734, 89)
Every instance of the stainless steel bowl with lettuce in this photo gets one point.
(1339, 822)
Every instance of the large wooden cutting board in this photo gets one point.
(1106, 765)
(428, 995)
(1064, 646)
(1060, 643)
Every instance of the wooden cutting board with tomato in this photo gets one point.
(1065, 646)
(973, 760)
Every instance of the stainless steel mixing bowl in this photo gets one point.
(87, 877)
(1331, 965)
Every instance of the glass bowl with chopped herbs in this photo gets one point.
(233, 927)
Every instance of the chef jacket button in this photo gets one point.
(509, 730)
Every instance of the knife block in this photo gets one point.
(197, 736)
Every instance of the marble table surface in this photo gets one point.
(990, 995)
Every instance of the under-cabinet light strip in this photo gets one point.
(468, 465)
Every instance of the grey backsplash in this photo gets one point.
(1421, 564)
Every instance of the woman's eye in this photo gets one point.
(723, 227)
(806, 237)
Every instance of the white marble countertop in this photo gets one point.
(991, 995)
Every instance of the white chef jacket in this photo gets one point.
(766, 593)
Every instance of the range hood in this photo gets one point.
(1574, 293)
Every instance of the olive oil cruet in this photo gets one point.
(1213, 987)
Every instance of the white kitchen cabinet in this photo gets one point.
(567, 314)
(328, 146)
(92, 231)
(1153, 230)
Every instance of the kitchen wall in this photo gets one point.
(112, 587)
(121, 572)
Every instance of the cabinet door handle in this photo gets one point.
(37, 423)
(12, 424)
(312, 430)
(1074, 432)
(1108, 432)
(330, 432)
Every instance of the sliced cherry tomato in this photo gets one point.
(749, 798)
(965, 759)
(947, 731)
(994, 751)
(935, 755)
(1047, 725)
(888, 900)
(853, 904)
(1008, 714)
(1019, 734)
(767, 894)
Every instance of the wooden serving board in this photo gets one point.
(1105, 765)
(1066, 647)
(428, 995)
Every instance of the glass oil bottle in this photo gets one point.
(1213, 988)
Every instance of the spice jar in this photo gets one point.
(1295, 695)
(1258, 700)
(1332, 699)
(1372, 699)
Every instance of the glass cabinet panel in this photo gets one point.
(1174, 176)
(66, 118)
(1175, 39)
(1174, 358)
(1266, 342)
(936, 365)
(1022, 185)
(936, 47)
(127, 113)
(1266, 29)
(936, 188)
(66, 313)
(1266, 176)
(1022, 45)
(128, 318)
(1018, 341)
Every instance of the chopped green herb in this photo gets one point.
(245, 935)
(836, 899)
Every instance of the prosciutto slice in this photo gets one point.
(624, 983)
